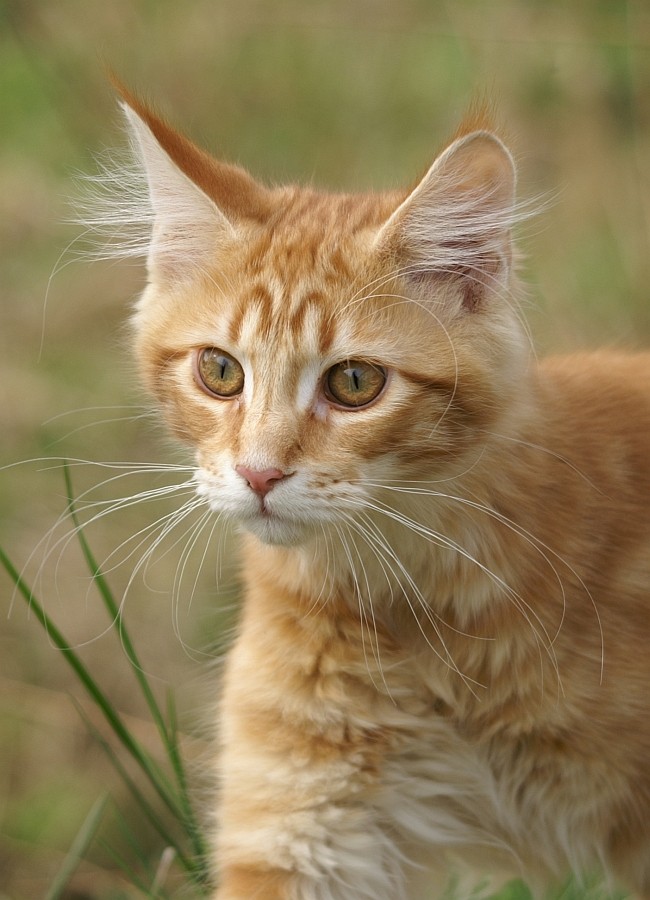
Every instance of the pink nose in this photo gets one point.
(260, 482)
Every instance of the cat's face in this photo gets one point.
(307, 352)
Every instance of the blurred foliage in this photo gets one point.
(349, 93)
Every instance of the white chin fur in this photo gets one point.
(276, 531)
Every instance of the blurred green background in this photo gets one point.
(347, 94)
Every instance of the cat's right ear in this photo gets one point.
(186, 223)
(196, 201)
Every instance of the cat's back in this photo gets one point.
(598, 403)
(606, 373)
(596, 427)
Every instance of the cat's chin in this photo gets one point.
(276, 532)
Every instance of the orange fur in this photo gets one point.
(443, 644)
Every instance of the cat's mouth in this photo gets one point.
(272, 520)
(273, 526)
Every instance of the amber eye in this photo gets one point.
(219, 372)
(354, 383)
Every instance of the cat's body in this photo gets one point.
(443, 644)
(532, 761)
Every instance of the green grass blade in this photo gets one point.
(114, 610)
(123, 734)
(141, 877)
(78, 849)
(147, 809)
(168, 734)
(128, 870)
(193, 828)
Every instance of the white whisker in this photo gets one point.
(194, 535)
(547, 553)
(543, 639)
(363, 615)
(388, 554)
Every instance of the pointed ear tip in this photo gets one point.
(136, 113)
(133, 123)
(125, 96)
(489, 139)
(492, 152)
(129, 101)
(128, 111)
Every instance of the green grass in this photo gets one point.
(183, 842)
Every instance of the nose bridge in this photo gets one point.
(271, 423)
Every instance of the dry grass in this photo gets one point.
(345, 94)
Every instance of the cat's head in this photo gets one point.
(313, 347)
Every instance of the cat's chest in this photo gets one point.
(397, 652)
(394, 674)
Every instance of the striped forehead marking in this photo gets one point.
(301, 321)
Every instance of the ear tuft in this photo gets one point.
(481, 115)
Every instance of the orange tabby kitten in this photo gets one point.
(443, 648)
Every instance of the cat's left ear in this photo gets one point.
(456, 222)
